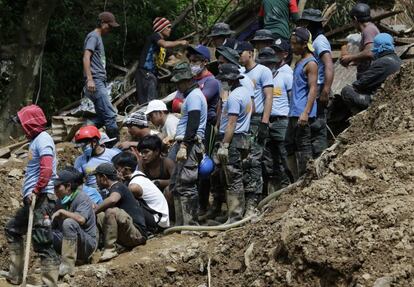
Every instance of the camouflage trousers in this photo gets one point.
(253, 177)
(228, 179)
(275, 155)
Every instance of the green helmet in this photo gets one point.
(181, 71)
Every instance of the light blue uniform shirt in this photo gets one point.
(300, 90)
(195, 101)
(282, 85)
(321, 45)
(238, 103)
(261, 77)
(88, 165)
(41, 145)
(247, 82)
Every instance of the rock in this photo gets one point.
(170, 269)
(366, 276)
(16, 173)
(14, 203)
(355, 174)
(383, 282)
(288, 277)
(359, 229)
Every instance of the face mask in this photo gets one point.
(87, 150)
(196, 69)
(65, 199)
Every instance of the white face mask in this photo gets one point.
(196, 69)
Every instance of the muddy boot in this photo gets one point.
(213, 212)
(293, 166)
(16, 251)
(251, 204)
(302, 159)
(50, 272)
(69, 252)
(110, 238)
(189, 206)
(236, 204)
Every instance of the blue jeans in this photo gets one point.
(105, 112)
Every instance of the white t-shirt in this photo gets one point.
(170, 126)
(153, 197)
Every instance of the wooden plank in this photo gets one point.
(351, 26)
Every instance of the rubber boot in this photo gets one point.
(236, 205)
(213, 212)
(69, 252)
(203, 196)
(251, 204)
(16, 251)
(189, 207)
(293, 166)
(50, 272)
(110, 238)
(302, 159)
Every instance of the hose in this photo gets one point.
(224, 227)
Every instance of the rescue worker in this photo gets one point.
(312, 20)
(302, 105)
(233, 139)
(88, 138)
(120, 217)
(262, 38)
(359, 95)
(275, 155)
(74, 232)
(361, 15)
(189, 145)
(220, 35)
(94, 64)
(259, 124)
(40, 170)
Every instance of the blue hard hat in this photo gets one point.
(206, 167)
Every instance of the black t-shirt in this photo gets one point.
(151, 48)
(130, 206)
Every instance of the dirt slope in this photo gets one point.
(352, 226)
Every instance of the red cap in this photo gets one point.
(109, 18)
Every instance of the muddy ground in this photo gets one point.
(353, 225)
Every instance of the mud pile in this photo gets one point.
(354, 226)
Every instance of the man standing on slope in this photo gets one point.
(94, 63)
(40, 169)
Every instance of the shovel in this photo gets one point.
(28, 242)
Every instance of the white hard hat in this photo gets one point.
(155, 106)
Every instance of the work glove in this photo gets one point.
(182, 153)
(223, 153)
(262, 133)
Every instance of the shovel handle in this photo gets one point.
(28, 241)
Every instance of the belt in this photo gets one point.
(277, 118)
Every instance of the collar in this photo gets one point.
(190, 89)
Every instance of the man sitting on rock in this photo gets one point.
(359, 96)
(75, 232)
(120, 217)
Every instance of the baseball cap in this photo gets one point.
(305, 35)
(64, 177)
(106, 169)
(199, 50)
(155, 106)
(244, 46)
(108, 17)
(281, 45)
(137, 119)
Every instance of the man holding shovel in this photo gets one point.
(37, 187)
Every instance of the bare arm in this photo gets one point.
(171, 44)
(109, 202)
(268, 92)
(87, 54)
(75, 216)
(366, 54)
(329, 76)
(231, 126)
(311, 71)
(136, 190)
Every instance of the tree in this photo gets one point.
(27, 60)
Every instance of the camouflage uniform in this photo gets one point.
(230, 176)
